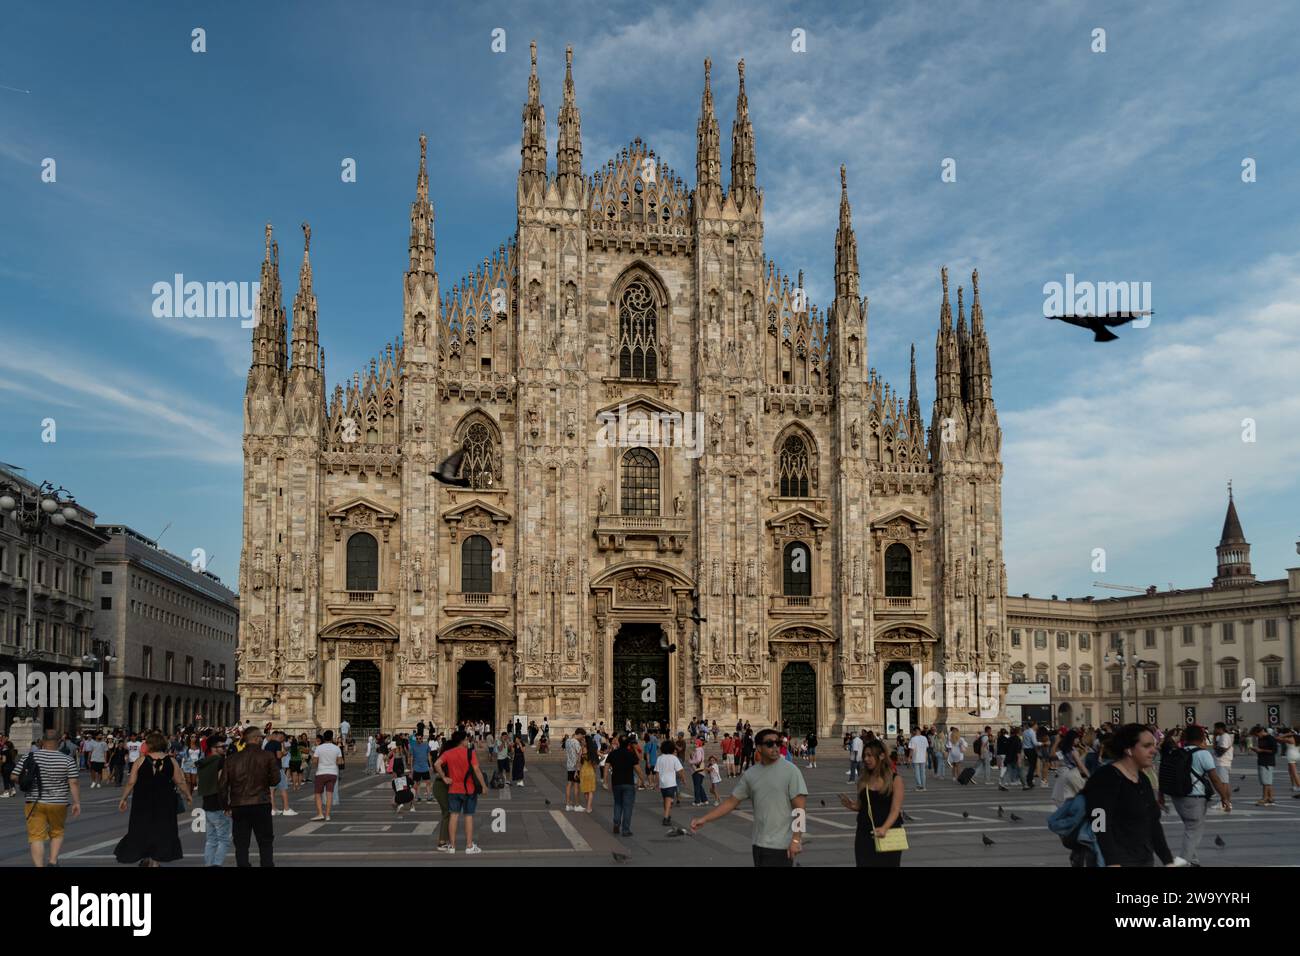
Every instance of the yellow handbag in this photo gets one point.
(895, 838)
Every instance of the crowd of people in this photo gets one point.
(243, 776)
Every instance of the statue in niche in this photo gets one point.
(534, 646)
(571, 642)
(715, 429)
(990, 645)
(752, 642)
(295, 640)
(419, 329)
(859, 642)
(749, 430)
(855, 433)
(679, 503)
(853, 353)
(570, 423)
(519, 670)
(602, 500)
(717, 646)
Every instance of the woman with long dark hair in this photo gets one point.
(1122, 791)
(517, 768)
(151, 834)
(879, 806)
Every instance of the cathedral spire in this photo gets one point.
(568, 148)
(422, 241)
(708, 157)
(846, 245)
(743, 168)
(947, 364)
(913, 402)
(963, 348)
(981, 372)
(306, 339)
(532, 169)
(269, 335)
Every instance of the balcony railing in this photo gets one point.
(484, 602)
(912, 604)
(671, 531)
(799, 603)
(372, 602)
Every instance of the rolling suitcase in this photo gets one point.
(966, 776)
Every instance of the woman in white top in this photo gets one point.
(956, 751)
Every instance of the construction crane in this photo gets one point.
(1150, 589)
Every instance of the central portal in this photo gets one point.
(361, 697)
(640, 678)
(476, 692)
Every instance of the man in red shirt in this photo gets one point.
(458, 767)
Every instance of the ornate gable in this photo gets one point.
(361, 514)
(476, 517)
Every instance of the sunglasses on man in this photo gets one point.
(770, 742)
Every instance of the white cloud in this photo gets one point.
(1131, 452)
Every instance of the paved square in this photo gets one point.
(532, 827)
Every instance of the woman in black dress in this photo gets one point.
(517, 770)
(151, 834)
(881, 790)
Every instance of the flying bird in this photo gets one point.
(548, 802)
(999, 811)
(449, 470)
(1101, 326)
(823, 803)
(964, 814)
(620, 857)
(1014, 818)
(1237, 788)
(985, 838)
(1218, 841)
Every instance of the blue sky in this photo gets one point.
(1115, 166)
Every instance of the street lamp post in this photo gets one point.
(1123, 660)
(33, 509)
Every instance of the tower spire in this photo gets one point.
(743, 168)
(269, 335)
(963, 348)
(532, 170)
(306, 339)
(422, 240)
(1233, 552)
(913, 402)
(708, 157)
(568, 148)
(981, 371)
(846, 245)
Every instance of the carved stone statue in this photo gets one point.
(715, 429)
(519, 670)
(717, 646)
(752, 642)
(570, 642)
(295, 640)
(855, 433)
(679, 503)
(570, 423)
(417, 572)
(602, 500)
(749, 430)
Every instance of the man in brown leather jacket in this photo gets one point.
(245, 785)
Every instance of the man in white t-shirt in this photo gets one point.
(326, 761)
(668, 769)
(856, 746)
(918, 746)
(132, 751)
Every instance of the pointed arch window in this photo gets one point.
(797, 570)
(480, 462)
(638, 324)
(793, 469)
(640, 482)
(363, 562)
(898, 571)
(476, 565)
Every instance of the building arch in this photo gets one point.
(795, 471)
(362, 570)
(640, 312)
(480, 438)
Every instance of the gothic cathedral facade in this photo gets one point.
(806, 547)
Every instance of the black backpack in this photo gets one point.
(471, 781)
(1176, 773)
(29, 778)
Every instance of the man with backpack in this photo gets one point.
(48, 779)
(1186, 776)
(458, 767)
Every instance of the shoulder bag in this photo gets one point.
(895, 838)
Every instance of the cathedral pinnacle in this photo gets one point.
(743, 165)
(846, 245)
(532, 171)
(421, 243)
(708, 156)
(568, 148)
